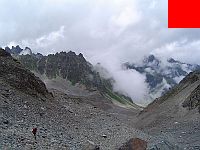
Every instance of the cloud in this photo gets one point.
(51, 38)
(127, 82)
(132, 84)
(183, 50)
(43, 42)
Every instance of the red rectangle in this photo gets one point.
(183, 13)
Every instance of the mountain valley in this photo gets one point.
(74, 108)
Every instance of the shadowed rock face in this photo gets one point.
(66, 65)
(4, 53)
(12, 72)
(193, 101)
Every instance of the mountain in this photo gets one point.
(18, 50)
(162, 75)
(14, 50)
(176, 113)
(26, 51)
(89, 120)
(75, 69)
(63, 121)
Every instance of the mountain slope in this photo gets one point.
(176, 113)
(17, 76)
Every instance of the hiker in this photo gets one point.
(34, 131)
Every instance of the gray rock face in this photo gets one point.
(66, 65)
(14, 50)
(193, 100)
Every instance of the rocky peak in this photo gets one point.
(4, 53)
(7, 49)
(81, 55)
(26, 51)
(171, 60)
(70, 53)
(151, 59)
(14, 50)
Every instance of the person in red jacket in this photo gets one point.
(34, 131)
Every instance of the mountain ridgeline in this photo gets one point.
(160, 75)
(69, 66)
(66, 65)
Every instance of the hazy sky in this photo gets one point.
(106, 31)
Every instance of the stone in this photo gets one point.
(6, 122)
(134, 144)
(89, 145)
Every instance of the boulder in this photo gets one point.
(134, 144)
(89, 145)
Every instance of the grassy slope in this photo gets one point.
(120, 100)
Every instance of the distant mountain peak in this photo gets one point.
(171, 60)
(17, 50)
(151, 60)
(161, 76)
(26, 51)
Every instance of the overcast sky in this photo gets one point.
(128, 28)
(104, 31)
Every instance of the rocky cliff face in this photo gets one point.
(17, 76)
(66, 65)
(73, 68)
(193, 100)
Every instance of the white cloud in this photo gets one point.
(183, 50)
(128, 16)
(132, 84)
(153, 4)
(51, 38)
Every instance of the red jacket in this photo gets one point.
(34, 130)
